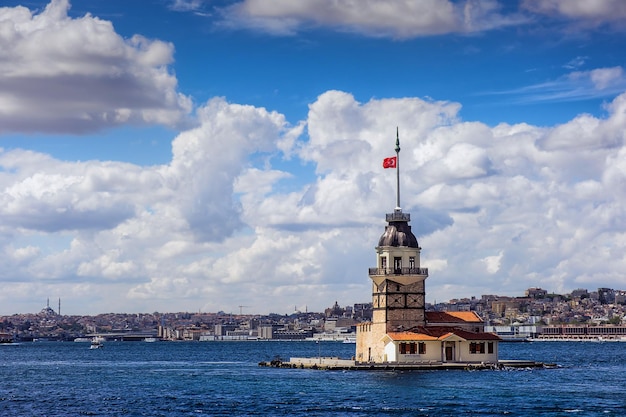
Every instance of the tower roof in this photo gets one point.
(398, 231)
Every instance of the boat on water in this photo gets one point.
(150, 339)
(594, 339)
(97, 343)
(333, 337)
(83, 339)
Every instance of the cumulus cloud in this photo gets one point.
(57, 196)
(495, 209)
(63, 74)
(588, 132)
(207, 160)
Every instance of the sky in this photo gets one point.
(226, 155)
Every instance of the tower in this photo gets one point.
(398, 288)
(398, 280)
(401, 330)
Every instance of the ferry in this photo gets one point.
(333, 337)
(82, 339)
(97, 342)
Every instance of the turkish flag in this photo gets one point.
(389, 162)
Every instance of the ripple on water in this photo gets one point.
(214, 379)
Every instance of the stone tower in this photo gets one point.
(398, 280)
(398, 288)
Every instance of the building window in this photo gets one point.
(477, 347)
(412, 348)
(412, 262)
(490, 347)
(383, 262)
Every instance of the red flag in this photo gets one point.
(389, 162)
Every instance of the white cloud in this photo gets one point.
(604, 78)
(588, 13)
(186, 5)
(410, 19)
(492, 263)
(62, 74)
(588, 132)
(495, 209)
(375, 18)
(573, 86)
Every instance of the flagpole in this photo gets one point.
(397, 169)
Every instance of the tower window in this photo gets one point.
(412, 262)
(383, 262)
(397, 264)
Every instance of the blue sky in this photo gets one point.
(172, 155)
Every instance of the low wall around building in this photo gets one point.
(322, 362)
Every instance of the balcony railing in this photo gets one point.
(398, 216)
(398, 271)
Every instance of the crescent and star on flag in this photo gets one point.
(389, 162)
(392, 161)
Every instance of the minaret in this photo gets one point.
(398, 280)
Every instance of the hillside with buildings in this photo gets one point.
(537, 313)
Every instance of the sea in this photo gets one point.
(224, 379)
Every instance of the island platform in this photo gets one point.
(334, 363)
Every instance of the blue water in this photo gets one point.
(223, 378)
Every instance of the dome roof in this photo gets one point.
(398, 234)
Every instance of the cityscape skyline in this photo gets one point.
(201, 155)
(618, 295)
(538, 315)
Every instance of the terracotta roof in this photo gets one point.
(452, 317)
(467, 316)
(441, 331)
(429, 333)
(410, 336)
